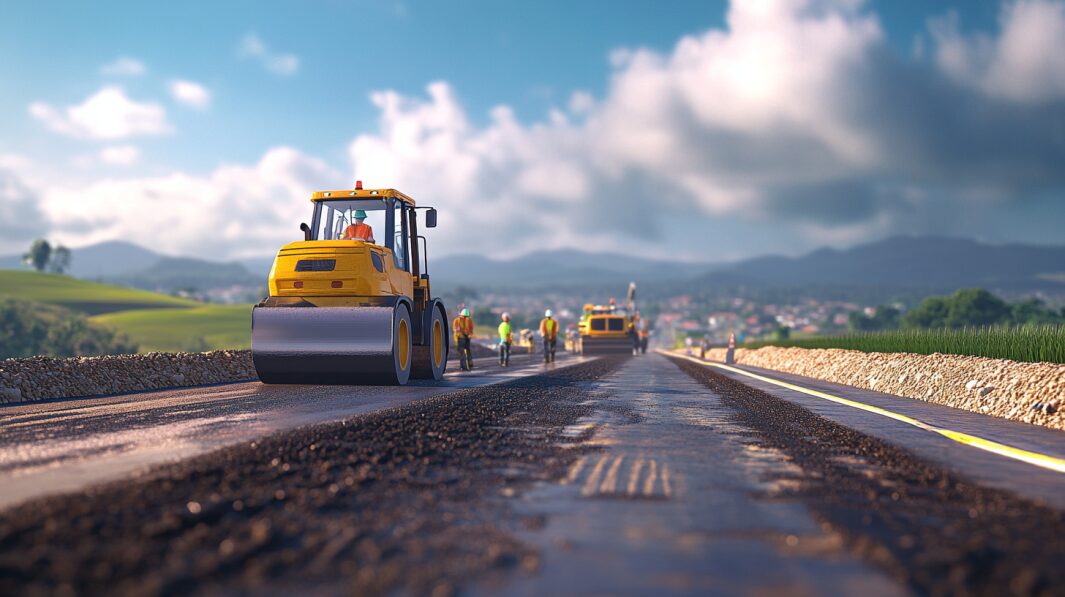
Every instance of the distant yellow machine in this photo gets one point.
(352, 310)
(607, 329)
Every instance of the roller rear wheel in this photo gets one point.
(430, 360)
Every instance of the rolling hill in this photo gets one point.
(154, 321)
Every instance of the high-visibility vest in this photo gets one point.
(549, 328)
(505, 334)
(359, 231)
(463, 326)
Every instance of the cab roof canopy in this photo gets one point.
(361, 194)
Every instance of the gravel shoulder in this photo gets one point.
(1026, 392)
(43, 378)
(930, 529)
(408, 499)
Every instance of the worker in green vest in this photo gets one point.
(506, 337)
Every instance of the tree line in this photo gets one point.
(31, 329)
(968, 307)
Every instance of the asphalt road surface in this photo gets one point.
(619, 475)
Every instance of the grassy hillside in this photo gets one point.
(203, 327)
(86, 297)
(153, 321)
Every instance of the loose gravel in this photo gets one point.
(42, 378)
(928, 528)
(408, 500)
(1028, 392)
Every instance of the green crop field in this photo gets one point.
(203, 327)
(90, 298)
(153, 321)
(1036, 343)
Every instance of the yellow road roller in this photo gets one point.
(351, 302)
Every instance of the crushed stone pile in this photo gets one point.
(41, 378)
(1028, 392)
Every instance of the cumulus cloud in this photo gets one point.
(107, 114)
(120, 155)
(124, 66)
(235, 211)
(251, 46)
(1025, 63)
(190, 93)
(797, 116)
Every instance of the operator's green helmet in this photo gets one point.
(465, 313)
(360, 214)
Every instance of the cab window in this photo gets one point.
(355, 219)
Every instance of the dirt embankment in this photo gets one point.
(41, 378)
(1028, 392)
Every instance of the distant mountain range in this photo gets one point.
(907, 263)
(128, 264)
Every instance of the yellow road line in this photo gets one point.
(1034, 458)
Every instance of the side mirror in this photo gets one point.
(430, 218)
(306, 231)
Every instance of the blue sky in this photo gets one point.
(279, 97)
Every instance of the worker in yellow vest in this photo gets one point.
(549, 332)
(506, 337)
(463, 327)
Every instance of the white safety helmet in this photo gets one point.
(548, 313)
(506, 316)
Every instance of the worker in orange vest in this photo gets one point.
(359, 230)
(463, 327)
(549, 332)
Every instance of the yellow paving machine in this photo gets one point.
(607, 329)
(349, 307)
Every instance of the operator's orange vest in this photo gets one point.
(359, 231)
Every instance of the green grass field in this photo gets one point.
(1026, 343)
(203, 327)
(153, 321)
(85, 297)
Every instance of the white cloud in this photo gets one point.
(120, 155)
(798, 115)
(190, 93)
(251, 46)
(124, 66)
(234, 211)
(108, 114)
(1025, 63)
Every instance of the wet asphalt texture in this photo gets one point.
(406, 499)
(926, 527)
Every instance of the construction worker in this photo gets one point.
(359, 230)
(463, 326)
(549, 332)
(643, 333)
(506, 337)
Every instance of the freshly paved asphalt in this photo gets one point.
(64, 445)
(641, 476)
